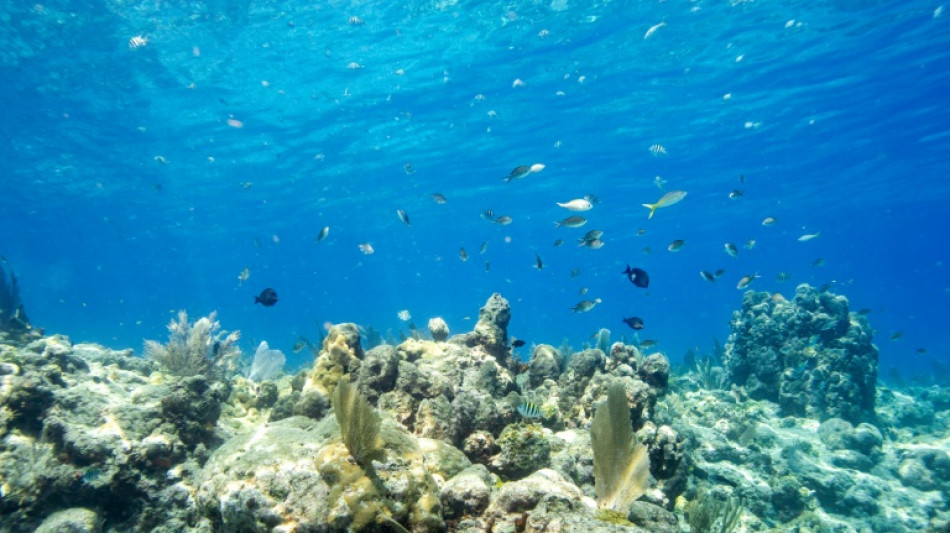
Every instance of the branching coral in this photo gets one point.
(708, 514)
(196, 349)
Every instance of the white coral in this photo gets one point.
(193, 349)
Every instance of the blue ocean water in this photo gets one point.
(140, 176)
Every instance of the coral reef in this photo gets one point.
(425, 436)
(809, 355)
(196, 349)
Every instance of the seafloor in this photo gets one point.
(784, 429)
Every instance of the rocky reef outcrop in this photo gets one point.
(809, 354)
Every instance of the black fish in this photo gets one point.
(638, 277)
(518, 343)
(267, 298)
(634, 322)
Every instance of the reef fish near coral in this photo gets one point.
(634, 322)
(267, 298)
(529, 410)
(585, 306)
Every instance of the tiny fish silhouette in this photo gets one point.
(267, 298)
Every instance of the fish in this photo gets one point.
(366, 248)
(638, 277)
(896, 335)
(537, 262)
(246, 185)
(864, 312)
(741, 178)
(503, 220)
(517, 343)
(731, 249)
(593, 234)
(634, 322)
(404, 315)
(267, 298)
(575, 272)
(408, 168)
(137, 42)
(750, 244)
(242, 277)
(323, 233)
(558, 242)
(518, 173)
(403, 216)
(808, 237)
(676, 245)
(921, 350)
(488, 215)
(529, 410)
(463, 255)
(768, 221)
(582, 291)
(595, 244)
(438, 198)
(487, 266)
(574, 221)
(646, 250)
(647, 344)
(719, 272)
(708, 276)
(585, 306)
(746, 281)
(659, 182)
(299, 346)
(578, 204)
(782, 276)
(592, 198)
(641, 232)
(483, 248)
(657, 149)
(818, 262)
(668, 199)
(736, 193)
(653, 29)
(522, 171)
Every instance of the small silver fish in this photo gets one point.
(595, 244)
(736, 193)
(808, 237)
(647, 344)
(503, 220)
(575, 221)
(244, 275)
(323, 233)
(366, 248)
(708, 276)
(768, 221)
(750, 244)
(585, 306)
(403, 216)
(731, 249)
(582, 291)
(659, 182)
(537, 262)
(676, 245)
(578, 204)
(593, 234)
(483, 248)
(438, 198)
(657, 149)
(575, 272)
(558, 242)
(463, 255)
(818, 262)
(782, 276)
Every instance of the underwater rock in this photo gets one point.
(491, 330)
(809, 355)
(340, 354)
(296, 473)
(193, 406)
(467, 493)
(378, 372)
(652, 518)
(545, 364)
(655, 371)
(524, 448)
(74, 520)
(438, 329)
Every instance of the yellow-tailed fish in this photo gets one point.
(668, 199)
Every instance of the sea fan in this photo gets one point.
(621, 464)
